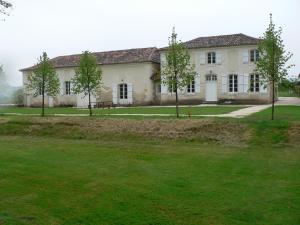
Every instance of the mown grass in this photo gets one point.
(287, 93)
(282, 113)
(130, 110)
(50, 173)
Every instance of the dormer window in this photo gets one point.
(211, 58)
(254, 55)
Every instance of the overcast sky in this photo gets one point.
(62, 27)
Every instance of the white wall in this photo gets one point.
(231, 63)
(137, 74)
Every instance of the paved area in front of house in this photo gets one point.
(288, 101)
(241, 113)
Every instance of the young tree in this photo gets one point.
(88, 77)
(273, 58)
(177, 71)
(4, 5)
(44, 80)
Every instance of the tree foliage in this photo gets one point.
(4, 5)
(177, 71)
(43, 80)
(88, 77)
(273, 59)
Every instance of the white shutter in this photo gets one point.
(202, 58)
(115, 94)
(219, 58)
(163, 59)
(246, 83)
(197, 83)
(240, 83)
(164, 86)
(224, 84)
(263, 85)
(62, 87)
(245, 56)
(130, 93)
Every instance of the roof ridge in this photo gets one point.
(222, 35)
(129, 49)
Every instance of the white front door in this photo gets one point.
(125, 94)
(211, 88)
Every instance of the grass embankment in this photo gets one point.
(114, 171)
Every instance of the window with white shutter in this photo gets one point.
(67, 88)
(123, 91)
(211, 58)
(233, 83)
(254, 55)
(254, 83)
(191, 87)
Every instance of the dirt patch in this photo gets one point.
(294, 134)
(206, 129)
(3, 120)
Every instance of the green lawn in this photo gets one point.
(287, 94)
(283, 113)
(131, 110)
(99, 171)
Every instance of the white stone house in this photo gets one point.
(225, 67)
(126, 77)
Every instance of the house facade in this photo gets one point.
(225, 67)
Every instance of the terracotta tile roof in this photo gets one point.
(138, 55)
(220, 41)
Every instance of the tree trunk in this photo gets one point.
(43, 105)
(273, 99)
(43, 100)
(90, 106)
(177, 109)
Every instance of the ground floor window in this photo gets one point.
(191, 86)
(233, 83)
(67, 87)
(254, 83)
(171, 85)
(123, 90)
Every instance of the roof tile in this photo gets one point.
(106, 58)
